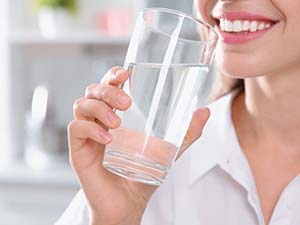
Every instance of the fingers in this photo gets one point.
(79, 131)
(96, 108)
(109, 90)
(115, 76)
(113, 96)
(86, 143)
(91, 109)
(94, 116)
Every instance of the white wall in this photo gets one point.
(5, 132)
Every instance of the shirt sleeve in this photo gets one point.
(77, 213)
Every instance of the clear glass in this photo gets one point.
(168, 60)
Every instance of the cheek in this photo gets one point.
(204, 8)
(277, 53)
(242, 61)
(239, 65)
(281, 52)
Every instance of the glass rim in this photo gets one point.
(185, 15)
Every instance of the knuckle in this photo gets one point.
(71, 126)
(104, 79)
(96, 92)
(109, 74)
(77, 103)
(102, 106)
(103, 110)
(107, 93)
(115, 69)
(102, 92)
(90, 88)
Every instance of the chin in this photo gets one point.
(238, 66)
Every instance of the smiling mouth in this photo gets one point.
(245, 26)
(241, 27)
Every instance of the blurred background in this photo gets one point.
(50, 50)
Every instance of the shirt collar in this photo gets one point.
(217, 139)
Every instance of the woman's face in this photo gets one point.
(257, 37)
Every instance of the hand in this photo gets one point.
(111, 199)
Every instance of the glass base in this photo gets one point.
(135, 168)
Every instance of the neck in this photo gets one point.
(270, 111)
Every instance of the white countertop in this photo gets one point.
(20, 173)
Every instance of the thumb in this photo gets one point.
(197, 124)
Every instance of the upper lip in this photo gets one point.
(241, 15)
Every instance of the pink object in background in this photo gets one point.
(115, 22)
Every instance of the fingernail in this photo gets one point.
(123, 99)
(106, 136)
(116, 74)
(119, 72)
(111, 117)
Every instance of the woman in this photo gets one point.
(245, 167)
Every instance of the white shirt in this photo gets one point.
(211, 184)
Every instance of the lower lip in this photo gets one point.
(241, 38)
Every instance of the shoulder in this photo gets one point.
(200, 158)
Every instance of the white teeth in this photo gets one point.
(237, 26)
(253, 26)
(246, 25)
(222, 24)
(261, 26)
(242, 25)
(228, 26)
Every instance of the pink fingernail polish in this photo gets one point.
(116, 74)
(106, 136)
(123, 99)
(112, 118)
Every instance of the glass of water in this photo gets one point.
(168, 60)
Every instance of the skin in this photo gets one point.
(266, 116)
(88, 135)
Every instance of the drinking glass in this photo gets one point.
(168, 61)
